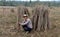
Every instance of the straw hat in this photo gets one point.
(25, 15)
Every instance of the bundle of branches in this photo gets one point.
(39, 17)
(21, 11)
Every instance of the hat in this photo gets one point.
(25, 15)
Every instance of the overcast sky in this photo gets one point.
(33, 0)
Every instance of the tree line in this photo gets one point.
(16, 3)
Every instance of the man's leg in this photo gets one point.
(28, 29)
(24, 27)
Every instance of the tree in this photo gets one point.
(30, 1)
(4, 2)
(38, 0)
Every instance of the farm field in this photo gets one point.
(8, 22)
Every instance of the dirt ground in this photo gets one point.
(7, 24)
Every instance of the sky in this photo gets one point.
(33, 0)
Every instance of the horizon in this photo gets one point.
(31, 0)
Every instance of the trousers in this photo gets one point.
(26, 28)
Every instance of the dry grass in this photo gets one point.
(8, 22)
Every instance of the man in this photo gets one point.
(26, 24)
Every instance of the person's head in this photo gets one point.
(25, 16)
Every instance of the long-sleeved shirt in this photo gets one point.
(27, 22)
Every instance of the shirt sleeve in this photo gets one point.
(24, 23)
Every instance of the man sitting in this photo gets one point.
(26, 24)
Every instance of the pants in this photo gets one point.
(26, 28)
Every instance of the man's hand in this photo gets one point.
(18, 22)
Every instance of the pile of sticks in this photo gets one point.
(39, 17)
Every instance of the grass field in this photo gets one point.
(8, 22)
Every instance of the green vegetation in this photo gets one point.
(16, 3)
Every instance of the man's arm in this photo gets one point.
(24, 23)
